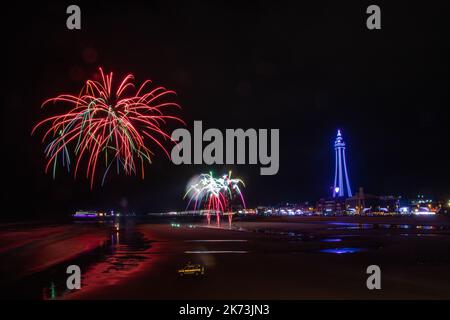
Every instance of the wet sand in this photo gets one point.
(29, 249)
(287, 259)
(257, 258)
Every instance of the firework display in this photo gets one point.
(214, 194)
(108, 125)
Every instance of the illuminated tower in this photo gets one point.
(340, 169)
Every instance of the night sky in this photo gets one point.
(306, 69)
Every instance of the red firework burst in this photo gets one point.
(109, 126)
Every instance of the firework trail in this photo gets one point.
(214, 194)
(108, 126)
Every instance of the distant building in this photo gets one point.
(341, 180)
(421, 200)
(362, 203)
(420, 205)
(331, 206)
(86, 214)
(287, 209)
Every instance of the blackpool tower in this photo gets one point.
(340, 169)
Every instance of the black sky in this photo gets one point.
(307, 69)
